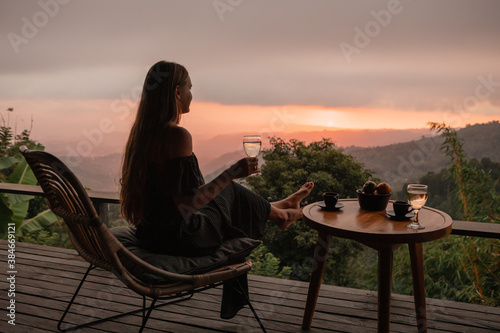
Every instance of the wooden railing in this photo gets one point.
(101, 199)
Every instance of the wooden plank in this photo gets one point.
(408, 311)
(175, 313)
(68, 298)
(21, 189)
(60, 287)
(57, 292)
(48, 276)
(282, 282)
(87, 310)
(64, 288)
(62, 283)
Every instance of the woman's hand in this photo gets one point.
(243, 168)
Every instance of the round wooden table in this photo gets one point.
(377, 231)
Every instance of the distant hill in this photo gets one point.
(222, 149)
(482, 140)
(395, 156)
(408, 161)
(100, 173)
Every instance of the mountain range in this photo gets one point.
(394, 156)
(406, 162)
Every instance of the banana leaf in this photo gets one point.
(7, 162)
(5, 215)
(19, 211)
(14, 207)
(23, 174)
(39, 222)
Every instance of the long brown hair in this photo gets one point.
(158, 110)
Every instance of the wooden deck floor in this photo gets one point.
(46, 278)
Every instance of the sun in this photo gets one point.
(320, 117)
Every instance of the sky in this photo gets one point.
(74, 69)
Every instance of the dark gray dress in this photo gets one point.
(235, 212)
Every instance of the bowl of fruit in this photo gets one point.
(374, 196)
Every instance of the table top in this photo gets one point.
(352, 222)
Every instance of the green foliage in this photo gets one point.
(288, 166)
(5, 139)
(291, 164)
(444, 190)
(38, 222)
(472, 270)
(41, 237)
(55, 234)
(266, 264)
(459, 268)
(15, 169)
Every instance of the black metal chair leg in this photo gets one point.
(242, 291)
(145, 315)
(145, 318)
(91, 267)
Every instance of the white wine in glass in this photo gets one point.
(417, 196)
(252, 145)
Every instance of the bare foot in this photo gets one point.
(293, 201)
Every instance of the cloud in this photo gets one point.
(422, 55)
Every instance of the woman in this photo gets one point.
(163, 192)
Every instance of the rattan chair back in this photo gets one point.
(68, 199)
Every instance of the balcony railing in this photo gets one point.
(101, 199)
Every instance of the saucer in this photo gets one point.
(393, 216)
(337, 206)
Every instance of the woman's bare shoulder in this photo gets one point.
(180, 142)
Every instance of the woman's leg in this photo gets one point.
(283, 218)
(293, 201)
(285, 212)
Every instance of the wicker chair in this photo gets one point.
(96, 243)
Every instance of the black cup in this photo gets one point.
(401, 208)
(330, 199)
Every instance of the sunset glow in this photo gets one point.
(75, 117)
(261, 67)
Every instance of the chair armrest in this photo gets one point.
(197, 280)
(222, 274)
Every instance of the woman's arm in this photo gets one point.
(189, 203)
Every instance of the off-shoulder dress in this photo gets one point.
(235, 212)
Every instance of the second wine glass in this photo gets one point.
(417, 196)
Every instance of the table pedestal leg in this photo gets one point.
(385, 256)
(320, 255)
(417, 269)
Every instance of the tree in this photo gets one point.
(462, 268)
(287, 166)
(264, 263)
(444, 190)
(15, 169)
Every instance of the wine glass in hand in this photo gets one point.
(417, 196)
(252, 145)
